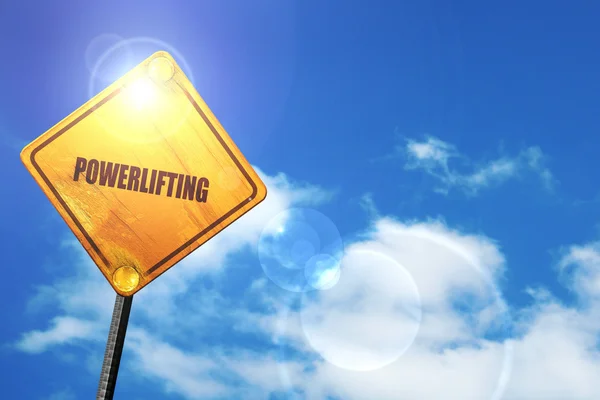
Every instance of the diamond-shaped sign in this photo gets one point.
(143, 174)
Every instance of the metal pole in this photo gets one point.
(114, 348)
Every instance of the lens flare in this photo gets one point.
(112, 67)
(149, 102)
(141, 93)
(322, 271)
(369, 319)
(300, 250)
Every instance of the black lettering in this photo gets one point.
(201, 192)
(172, 177)
(179, 186)
(189, 187)
(91, 174)
(134, 178)
(143, 187)
(108, 172)
(80, 164)
(152, 181)
(122, 176)
(160, 182)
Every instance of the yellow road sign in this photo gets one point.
(143, 174)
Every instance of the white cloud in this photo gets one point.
(263, 372)
(196, 375)
(83, 294)
(581, 268)
(368, 204)
(557, 354)
(367, 320)
(434, 156)
(553, 355)
(63, 330)
(179, 371)
(433, 151)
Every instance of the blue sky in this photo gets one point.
(451, 145)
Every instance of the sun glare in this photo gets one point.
(141, 92)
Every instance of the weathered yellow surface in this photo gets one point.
(150, 119)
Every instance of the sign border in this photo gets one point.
(195, 238)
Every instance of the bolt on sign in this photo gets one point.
(143, 174)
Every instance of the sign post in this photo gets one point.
(143, 174)
(114, 348)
